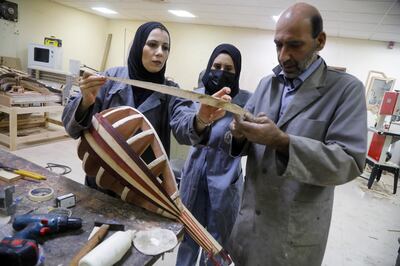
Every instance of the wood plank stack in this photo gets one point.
(17, 88)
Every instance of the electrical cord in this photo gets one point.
(66, 169)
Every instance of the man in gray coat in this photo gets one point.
(308, 134)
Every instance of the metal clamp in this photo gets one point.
(7, 205)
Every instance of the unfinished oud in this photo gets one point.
(111, 152)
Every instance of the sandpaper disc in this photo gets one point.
(155, 241)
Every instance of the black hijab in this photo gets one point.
(236, 58)
(135, 65)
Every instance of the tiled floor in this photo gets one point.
(365, 224)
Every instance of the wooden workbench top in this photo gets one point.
(91, 206)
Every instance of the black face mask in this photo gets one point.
(217, 79)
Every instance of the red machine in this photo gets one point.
(384, 130)
(385, 133)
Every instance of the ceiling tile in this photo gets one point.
(362, 18)
(353, 34)
(381, 36)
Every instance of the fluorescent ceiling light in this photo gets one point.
(104, 10)
(275, 18)
(182, 13)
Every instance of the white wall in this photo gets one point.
(84, 37)
(83, 34)
(192, 45)
(361, 56)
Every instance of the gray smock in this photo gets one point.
(287, 201)
(211, 185)
(163, 111)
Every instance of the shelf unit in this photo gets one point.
(50, 128)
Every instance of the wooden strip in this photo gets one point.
(169, 182)
(114, 114)
(8, 176)
(141, 170)
(45, 135)
(127, 121)
(152, 189)
(85, 148)
(121, 177)
(141, 141)
(124, 193)
(28, 110)
(157, 166)
(194, 234)
(34, 87)
(34, 121)
(200, 232)
(91, 244)
(199, 229)
(122, 169)
(126, 171)
(186, 94)
(128, 126)
(99, 175)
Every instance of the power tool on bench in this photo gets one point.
(22, 249)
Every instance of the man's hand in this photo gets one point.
(234, 127)
(90, 85)
(261, 130)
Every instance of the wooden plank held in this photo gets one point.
(186, 94)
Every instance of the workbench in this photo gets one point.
(91, 206)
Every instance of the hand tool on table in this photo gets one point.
(22, 172)
(95, 240)
(7, 205)
(22, 248)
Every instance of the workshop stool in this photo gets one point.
(376, 173)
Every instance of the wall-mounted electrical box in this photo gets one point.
(8, 11)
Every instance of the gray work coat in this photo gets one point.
(163, 111)
(287, 202)
(222, 171)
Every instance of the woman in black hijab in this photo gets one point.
(139, 71)
(215, 78)
(211, 180)
(146, 62)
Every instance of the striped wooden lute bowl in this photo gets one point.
(111, 152)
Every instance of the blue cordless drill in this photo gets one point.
(22, 248)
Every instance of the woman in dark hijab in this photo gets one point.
(211, 180)
(216, 76)
(137, 70)
(146, 62)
